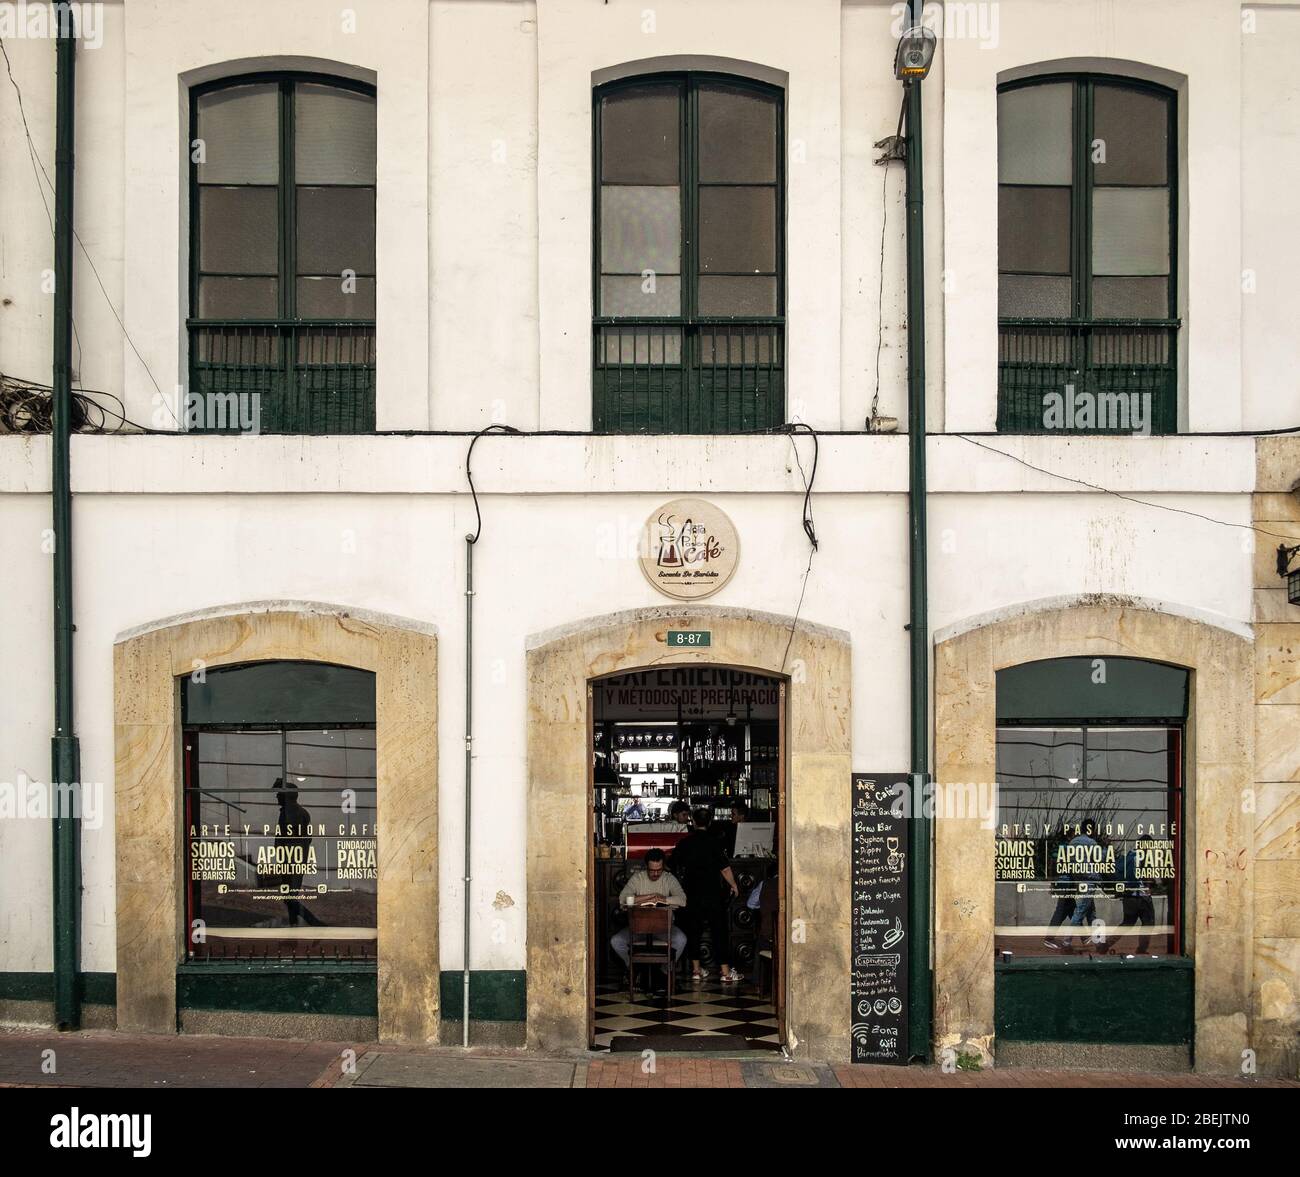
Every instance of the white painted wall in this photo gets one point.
(484, 312)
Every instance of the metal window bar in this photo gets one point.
(656, 376)
(316, 377)
(1075, 376)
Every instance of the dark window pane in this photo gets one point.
(640, 229)
(737, 296)
(334, 136)
(238, 298)
(336, 230)
(1034, 230)
(325, 298)
(1133, 129)
(630, 297)
(280, 692)
(1128, 348)
(237, 347)
(1130, 231)
(240, 129)
(238, 231)
(737, 135)
(1130, 298)
(1035, 134)
(1026, 296)
(1040, 757)
(739, 345)
(641, 345)
(738, 230)
(639, 135)
(337, 345)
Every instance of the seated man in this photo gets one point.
(650, 886)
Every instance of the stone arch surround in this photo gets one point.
(560, 664)
(147, 664)
(1219, 758)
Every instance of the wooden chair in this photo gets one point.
(647, 925)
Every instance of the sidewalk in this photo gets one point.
(111, 1060)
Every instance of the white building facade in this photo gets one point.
(344, 542)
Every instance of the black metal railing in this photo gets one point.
(1099, 376)
(277, 377)
(657, 377)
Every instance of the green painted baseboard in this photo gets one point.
(1106, 1000)
(495, 995)
(289, 988)
(96, 988)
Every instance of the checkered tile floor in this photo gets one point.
(706, 1008)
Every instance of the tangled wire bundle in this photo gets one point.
(27, 407)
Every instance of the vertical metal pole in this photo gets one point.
(918, 829)
(65, 800)
(469, 770)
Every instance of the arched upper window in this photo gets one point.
(689, 255)
(282, 255)
(1087, 251)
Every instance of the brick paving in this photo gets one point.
(107, 1059)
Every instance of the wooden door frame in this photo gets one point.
(783, 850)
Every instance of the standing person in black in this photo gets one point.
(700, 862)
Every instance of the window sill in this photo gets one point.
(1094, 963)
(253, 968)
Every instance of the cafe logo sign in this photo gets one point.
(690, 549)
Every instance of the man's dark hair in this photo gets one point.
(654, 855)
(677, 807)
(701, 817)
(740, 807)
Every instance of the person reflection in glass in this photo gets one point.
(1078, 907)
(294, 822)
(1136, 901)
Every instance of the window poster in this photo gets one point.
(281, 845)
(1088, 842)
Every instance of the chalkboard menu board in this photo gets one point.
(878, 983)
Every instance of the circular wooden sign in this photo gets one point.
(689, 549)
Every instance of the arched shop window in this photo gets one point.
(1090, 814)
(282, 255)
(1087, 253)
(279, 813)
(689, 328)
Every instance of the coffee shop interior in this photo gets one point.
(686, 798)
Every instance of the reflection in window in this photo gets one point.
(1089, 841)
(280, 839)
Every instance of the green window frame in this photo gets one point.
(1088, 323)
(711, 364)
(271, 348)
(1106, 739)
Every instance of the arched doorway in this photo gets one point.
(815, 660)
(687, 816)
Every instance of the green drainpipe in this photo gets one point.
(920, 1002)
(66, 753)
